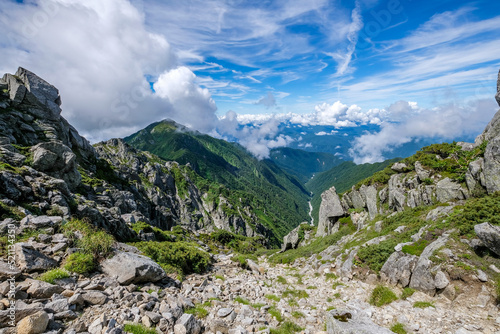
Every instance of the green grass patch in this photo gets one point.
(297, 314)
(220, 277)
(310, 287)
(336, 284)
(295, 293)
(242, 300)
(52, 275)
(80, 263)
(476, 211)
(273, 311)
(95, 241)
(407, 292)
(423, 304)
(374, 256)
(398, 328)
(382, 295)
(329, 276)
(281, 280)
(416, 248)
(273, 298)
(176, 257)
(258, 306)
(287, 327)
(198, 311)
(138, 329)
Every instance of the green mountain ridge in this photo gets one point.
(278, 198)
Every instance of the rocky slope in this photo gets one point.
(429, 223)
(48, 168)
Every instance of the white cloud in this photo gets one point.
(192, 105)
(257, 139)
(101, 57)
(444, 122)
(268, 101)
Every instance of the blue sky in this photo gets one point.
(369, 53)
(241, 70)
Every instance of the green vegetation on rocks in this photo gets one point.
(52, 275)
(382, 295)
(80, 263)
(176, 257)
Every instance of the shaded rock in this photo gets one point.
(39, 289)
(370, 196)
(492, 165)
(130, 268)
(352, 321)
(94, 297)
(291, 240)
(447, 190)
(28, 259)
(7, 271)
(497, 95)
(398, 268)
(57, 160)
(440, 280)
(33, 324)
(489, 235)
(474, 176)
(439, 212)
(187, 324)
(329, 212)
(40, 221)
(422, 173)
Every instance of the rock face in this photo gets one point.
(57, 160)
(447, 190)
(330, 210)
(352, 321)
(489, 235)
(492, 165)
(28, 259)
(119, 184)
(398, 268)
(130, 268)
(497, 96)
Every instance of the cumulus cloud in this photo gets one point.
(102, 58)
(443, 122)
(268, 101)
(193, 106)
(257, 139)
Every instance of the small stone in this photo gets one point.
(481, 275)
(224, 312)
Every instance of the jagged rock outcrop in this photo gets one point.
(58, 171)
(330, 211)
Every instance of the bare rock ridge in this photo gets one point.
(51, 166)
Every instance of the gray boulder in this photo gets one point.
(7, 271)
(40, 221)
(447, 190)
(187, 324)
(57, 160)
(399, 167)
(292, 239)
(492, 165)
(421, 172)
(370, 196)
(28, 259)
(475, 175)
(130, 268)
(398, 268)
(329, 212)
(352, 321)
(489, 235)
(39, 289)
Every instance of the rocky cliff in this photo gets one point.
(47, 168)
